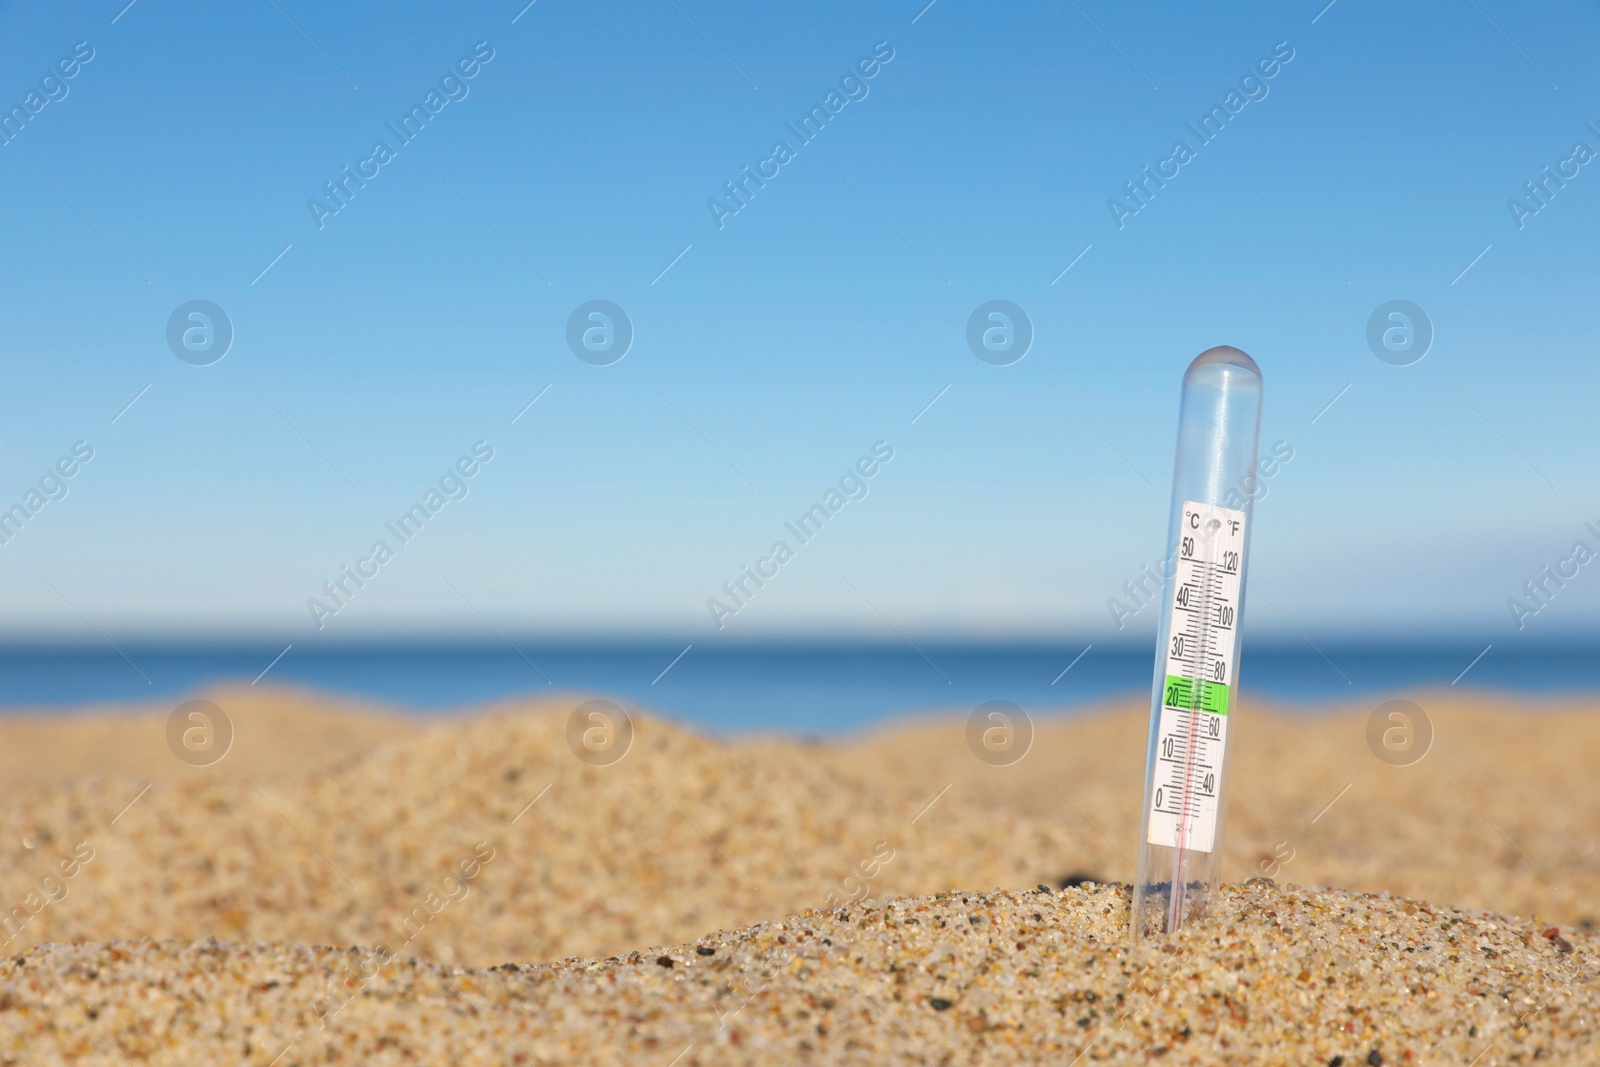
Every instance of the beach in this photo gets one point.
(349, 884)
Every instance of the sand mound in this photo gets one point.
(342, 827)
(1276, 975)
(486, 839)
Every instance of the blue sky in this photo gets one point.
(577, 164)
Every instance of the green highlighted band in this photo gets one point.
(1180, 694)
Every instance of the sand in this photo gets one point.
(1275, 976)
(419, 853)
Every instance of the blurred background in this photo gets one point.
(277, 276)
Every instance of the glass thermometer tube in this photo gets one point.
(1214, 482)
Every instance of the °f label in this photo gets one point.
(1201, 628)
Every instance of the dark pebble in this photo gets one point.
(939, 1003)
(1375, 1058)
(665, 961)
(705, 950)
(1337, 1061)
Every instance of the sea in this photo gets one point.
(801, 688)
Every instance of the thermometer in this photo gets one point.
(1197, 655)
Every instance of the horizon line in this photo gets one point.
(107, 641)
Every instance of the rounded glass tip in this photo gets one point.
(1225, 355)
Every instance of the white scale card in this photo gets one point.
(1195, 698)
